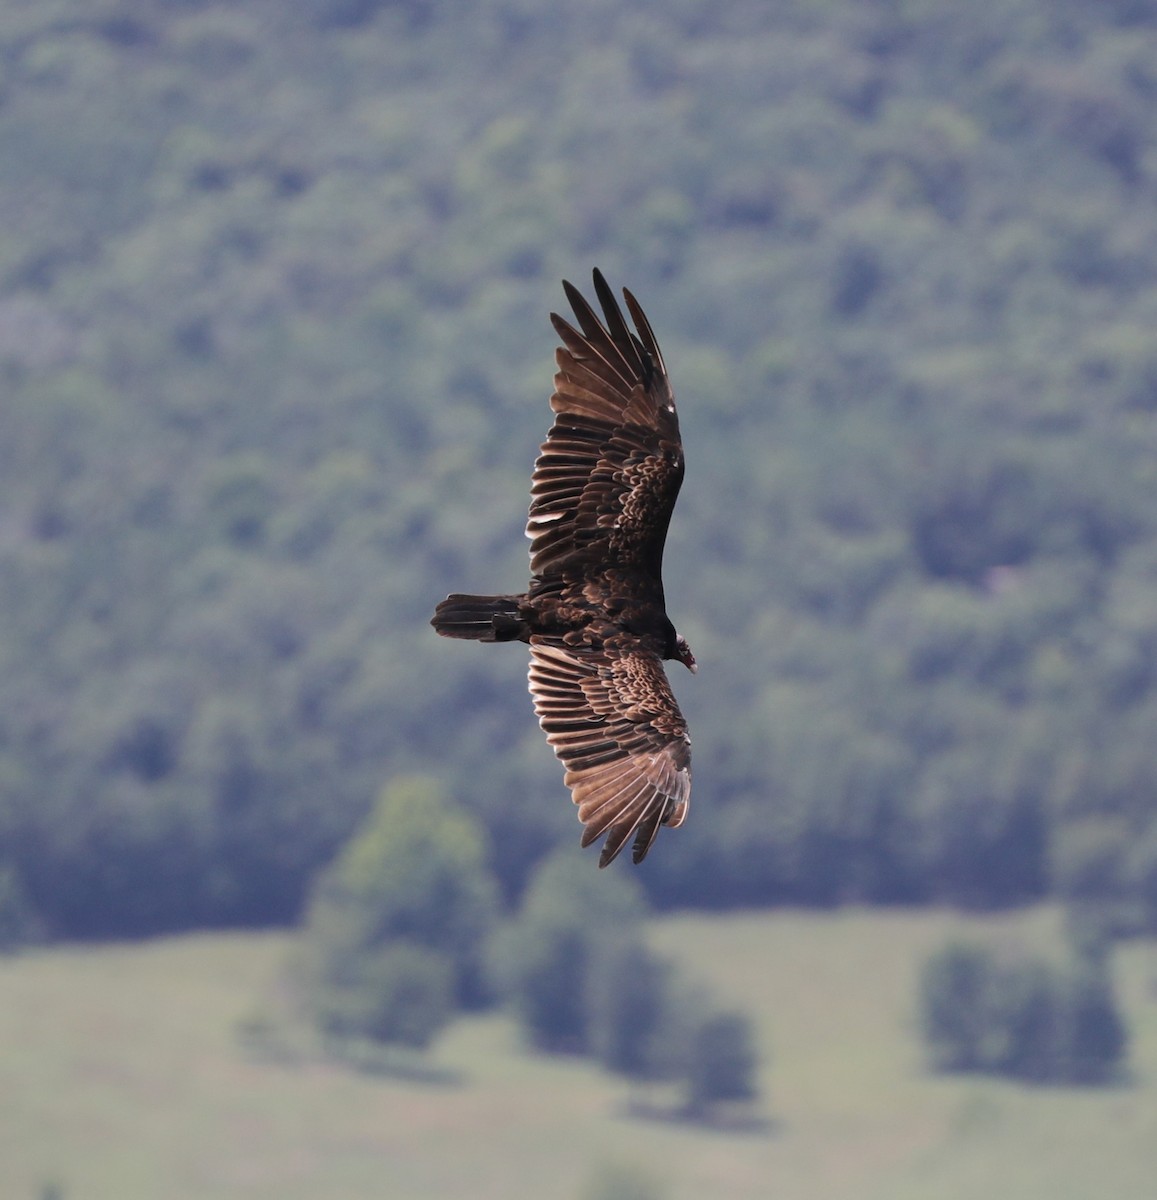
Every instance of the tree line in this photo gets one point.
(404, 931)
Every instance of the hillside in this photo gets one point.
(273, 293)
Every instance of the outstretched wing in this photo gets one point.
(607, 476)
(612, 720)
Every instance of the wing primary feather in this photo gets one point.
(613, 340)
(622, 337)
(578, 351)
(646, 834)
(646, 333)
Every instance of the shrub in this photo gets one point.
(402, 995)
(721, 1062)
(954, 986)
(1028, 1020)
(18, 922)
(576, 968)
(545, 960)
(652, 1026)
(628, 993)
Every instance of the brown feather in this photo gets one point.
(604, 486)
(616, 427)
(623, 740)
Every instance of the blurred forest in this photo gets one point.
(274, 283)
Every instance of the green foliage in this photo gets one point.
(953, 999)
(275, 360)
(706, 1050)
(401, 995)
(721, 1062)
(19, 925)
(628, 995)
(548, 959)
(582, 980)
(1027, 1019)
(1098, 1036)
(392, 937)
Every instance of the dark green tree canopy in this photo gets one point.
(393, 936)
(1026, 1018)
(274, 286)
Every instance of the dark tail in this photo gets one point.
(483, 618)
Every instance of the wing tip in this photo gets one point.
(645, 830)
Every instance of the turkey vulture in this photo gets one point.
(603, 489)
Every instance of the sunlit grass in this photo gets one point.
(122, 1078)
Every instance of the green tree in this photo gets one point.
(1097, 1035)
(1028, 1019)
(1025, 1014)
(401, 995)
(392, 938)
(19, 925)
(546, 960)
(954, 985)
(672, 1033)
(722, 1062)
(628, 993)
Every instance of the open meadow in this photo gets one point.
(122, 1077)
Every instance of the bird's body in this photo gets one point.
(594, 614)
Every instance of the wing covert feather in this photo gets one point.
(607, 476)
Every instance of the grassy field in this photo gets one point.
(121, 1078)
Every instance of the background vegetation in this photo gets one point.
(275, 355)
(274, 360)
(1024, 1016)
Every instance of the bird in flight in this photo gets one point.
(594, 614)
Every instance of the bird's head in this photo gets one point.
(684, 655)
